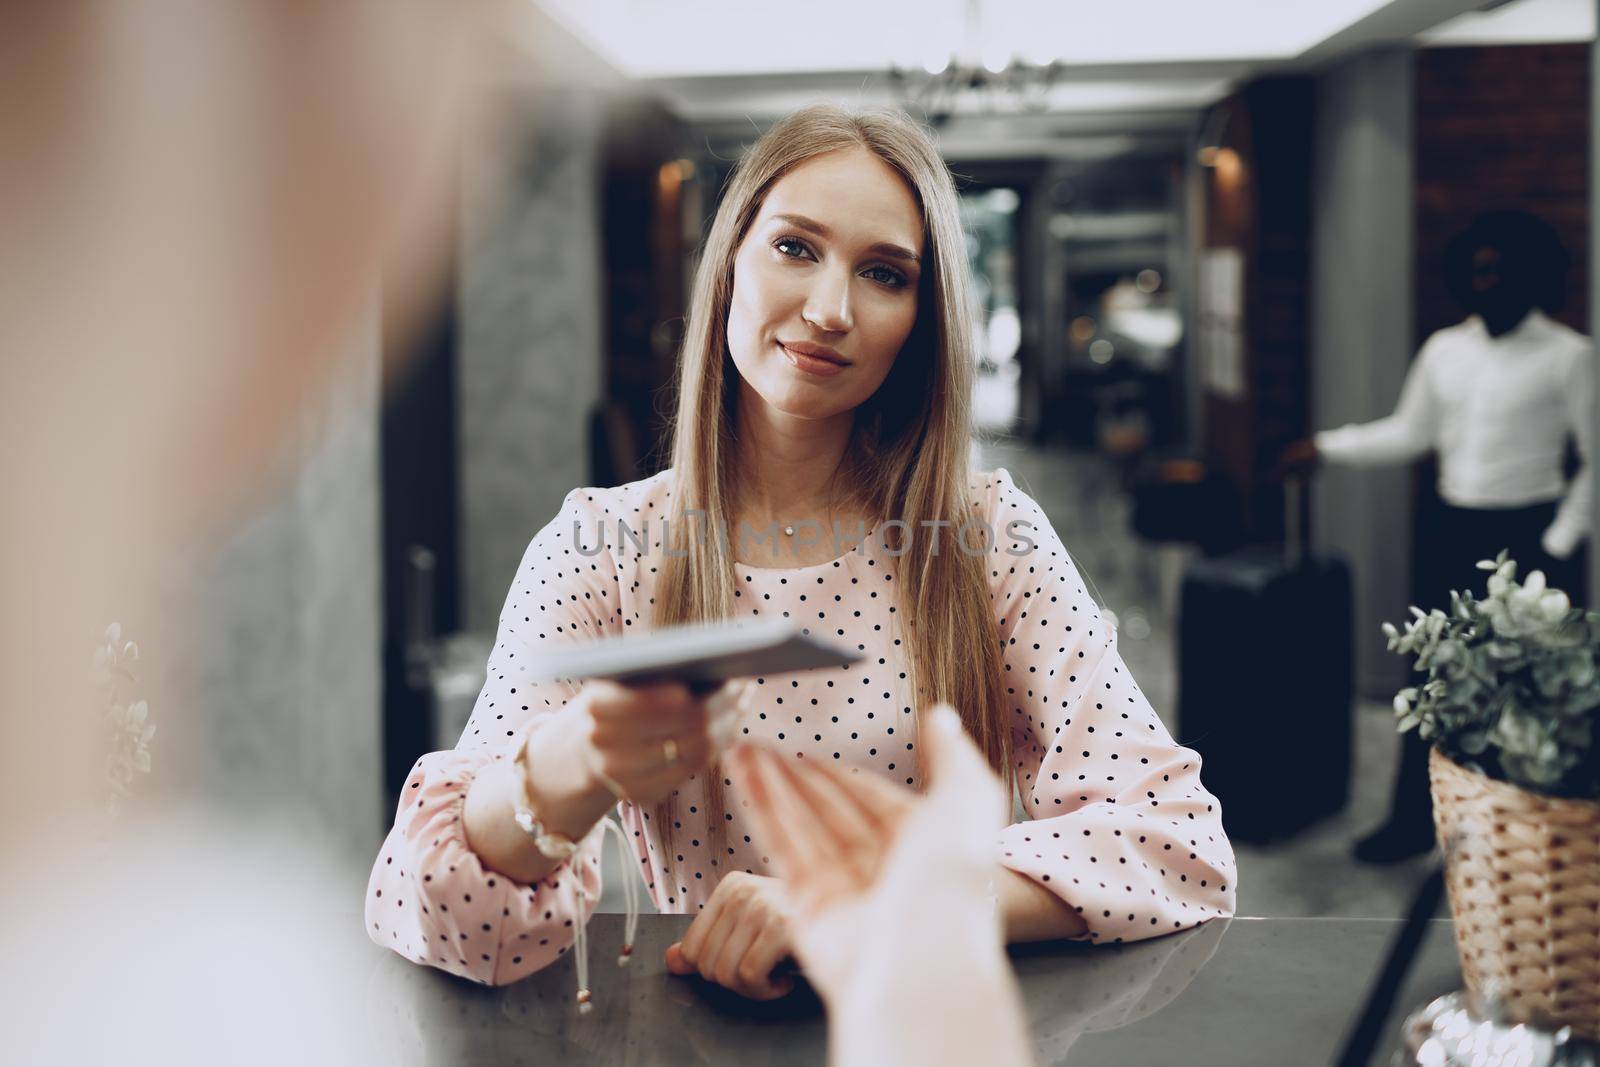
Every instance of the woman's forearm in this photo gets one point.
(1030, 912)
(564, 796)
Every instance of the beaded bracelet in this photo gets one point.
(550, 843)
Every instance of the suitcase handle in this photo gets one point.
(1297, 519)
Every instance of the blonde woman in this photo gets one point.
(820, 474)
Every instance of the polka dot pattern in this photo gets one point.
(1122, 829)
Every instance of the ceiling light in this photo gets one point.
(974, 77)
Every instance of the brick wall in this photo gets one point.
(1505, 127)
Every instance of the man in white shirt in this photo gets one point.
(1496, 397)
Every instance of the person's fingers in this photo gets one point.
(831, 804)
(676, 962)
(726, 709)
(718, 933)
(945, 744)
(750, 774)
(882, 808)
(788, 818)
(664, 695)
(729, 697)
(857, 837)
(608, 700)
(632, 715)
(694, 938)
(619, 733)
(754, 975)
(811, 871)
(672, 757)
(810, 842)
(830, 858)
(879, 801)
(963, 785)
(741, 932)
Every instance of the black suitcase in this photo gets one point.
(1265, 682)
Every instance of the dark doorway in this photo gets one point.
(419, 460)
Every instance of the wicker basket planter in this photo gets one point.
(1523, 872)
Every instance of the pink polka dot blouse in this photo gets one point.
(1119, 825)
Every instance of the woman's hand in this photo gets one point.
(610, 742)
(642, 742)
(740, 936)
(856, 851)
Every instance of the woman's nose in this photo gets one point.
(828, 304)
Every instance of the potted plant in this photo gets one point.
(1512, 708)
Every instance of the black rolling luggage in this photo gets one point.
(1265, 681)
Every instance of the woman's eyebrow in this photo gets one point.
(886, 248)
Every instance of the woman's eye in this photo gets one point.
(886, 276)
(788, 246)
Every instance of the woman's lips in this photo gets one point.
(814, 359)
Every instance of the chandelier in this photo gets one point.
(974, 79)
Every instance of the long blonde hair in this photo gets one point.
(908, 457)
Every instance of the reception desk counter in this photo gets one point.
(1248, 991)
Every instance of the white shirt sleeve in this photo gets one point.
(1408, 434)
(1572, 521)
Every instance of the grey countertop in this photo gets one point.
(1249, 991)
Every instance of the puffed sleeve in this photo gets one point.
(430, 898)
(1122, 829)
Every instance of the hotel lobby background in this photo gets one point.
(581, 201)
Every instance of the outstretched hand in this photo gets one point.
(891, 906)
(879, 879)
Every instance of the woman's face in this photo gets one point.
(825, 284)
